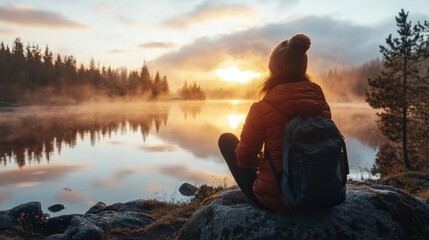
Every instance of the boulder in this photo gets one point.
(100, 206)
(98, 223)
(58, 224)
(24, 215)
(101, 219)
(187, 189)
(109, 220)
(56, 208)
(79, 229)
(371, 211)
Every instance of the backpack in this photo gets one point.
(315, 165)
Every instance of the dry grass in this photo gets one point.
(18, 235)
(414, 183)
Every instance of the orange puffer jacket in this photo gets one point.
(265, 124)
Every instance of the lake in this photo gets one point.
(117, 152)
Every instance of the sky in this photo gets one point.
(205, 40)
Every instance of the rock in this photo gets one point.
(6, 221)
(56, 207)
(23, 215)
(371, 211)
(27, 208)
(134, 206)
(100, 220)
(79, 229)
(188, 189)
(58, 224)
(108, 220)
(100, 206)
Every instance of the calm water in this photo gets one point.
(78, 156)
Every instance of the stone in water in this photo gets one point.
(188, 189)
(56, 208)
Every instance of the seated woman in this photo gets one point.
(287, 92)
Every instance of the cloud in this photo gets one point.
(32, 17)
(114, 51)
(32, 176)
(335, 43)
(116, 15)
(4, 31)
(208, 12)
(157, 45)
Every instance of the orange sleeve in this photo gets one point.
(251, 140)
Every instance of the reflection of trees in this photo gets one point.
(38, 132)
(192, 109)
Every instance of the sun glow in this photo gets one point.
(235, 120)
(234, 74)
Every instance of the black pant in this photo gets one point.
(243, 177)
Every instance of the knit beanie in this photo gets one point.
(289, 57)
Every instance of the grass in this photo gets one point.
(169, 217)
(414, 183)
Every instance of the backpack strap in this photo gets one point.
(346, 170)
(273, 167)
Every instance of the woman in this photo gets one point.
(287, 92)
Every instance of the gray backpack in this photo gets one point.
(315, 165)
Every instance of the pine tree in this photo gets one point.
(156, 88)
(164, 85)
(17, 62)
(394, 92)
(48, 67)
(145, 79)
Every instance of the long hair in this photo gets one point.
(271, 81)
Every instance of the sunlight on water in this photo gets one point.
(78, 156)
(236, 120)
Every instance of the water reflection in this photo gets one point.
(118, 152)
(34, 133)
(120, 175)
(30, 177)
(4, 196)
(31, 134)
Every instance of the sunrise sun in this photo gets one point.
(234, 74)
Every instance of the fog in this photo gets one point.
(79, 155)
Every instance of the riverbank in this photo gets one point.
(151, 219)
(138, 219)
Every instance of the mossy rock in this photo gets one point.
(371, 211)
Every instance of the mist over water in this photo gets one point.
(79, 155)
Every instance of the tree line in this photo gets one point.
(29, 76)
(349, 84)
(191, 92)
(400, 93)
